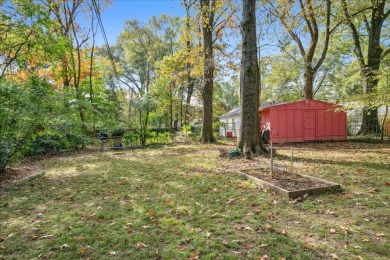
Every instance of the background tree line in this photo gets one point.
(58, 89)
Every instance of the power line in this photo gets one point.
(111, 57)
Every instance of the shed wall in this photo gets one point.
(304, 121)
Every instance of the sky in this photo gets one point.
(113, 17)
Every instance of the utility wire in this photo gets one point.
(111, 57)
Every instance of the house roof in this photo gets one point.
(234, 112)
(237, 111)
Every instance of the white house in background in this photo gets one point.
(232, 121)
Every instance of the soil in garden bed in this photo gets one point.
(286, 180)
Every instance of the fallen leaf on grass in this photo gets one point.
(112, 253)
(80, 238)
(34, 236)
(248, 246)
(269, 227)
(264, 257)
(283, 232)
(64, 246)
(230, 202)
(195, 256)
(379, 235)
(334, 256)
(83, 251)
(3, 248)
(332, 231)
(387, 183)
(263, 245)
(329, 212)
(47, 236)
(139, 245)
(299, 199)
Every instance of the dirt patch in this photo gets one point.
(18, 174)
(286, 180)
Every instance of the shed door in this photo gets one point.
(309, 125)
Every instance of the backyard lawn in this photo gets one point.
(184, 202)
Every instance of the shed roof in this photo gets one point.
(299, 101)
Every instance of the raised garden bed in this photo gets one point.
(289, 184)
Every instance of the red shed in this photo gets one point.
(305, 120)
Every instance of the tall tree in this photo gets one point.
(215, 16)
(302, 21)
(207, 11)
(250, 137)
(369, 63)
(190, 79)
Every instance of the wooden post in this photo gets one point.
(292, 160)
(272, 161)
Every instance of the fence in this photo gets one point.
(231, 130)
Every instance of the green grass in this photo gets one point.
(180, 202)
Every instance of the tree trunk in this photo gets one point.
(190, 91)
(250, 137)
(190, 79)
(309, 79)
(170, 109)
(370, 68)
(207, 135)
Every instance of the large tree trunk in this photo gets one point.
(207, 135)
(369, 68)
(309, 79)
(250, 137)
(370, 121)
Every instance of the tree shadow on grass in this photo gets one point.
(133, 209)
